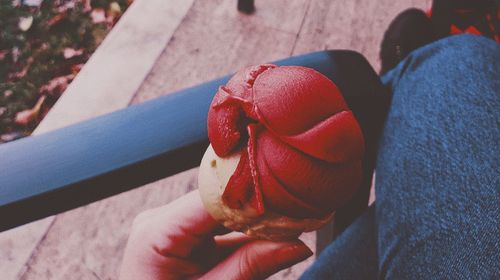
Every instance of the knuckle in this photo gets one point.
(141, 217)
(139, 222)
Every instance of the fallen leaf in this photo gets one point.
(87, 7)
(25, 23)
(70, 52)
(3, 54)
(32, 3)
(113, 14)
(27, 116)
(76, 68)
(23, 72)
(98, 15)
(55, 19)
(56, 86)
(18, 75)
(65, 7)
(114, 9)
(8, 93)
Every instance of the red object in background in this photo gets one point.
(459, 17)
(301, 145)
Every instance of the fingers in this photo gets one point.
(176, 228)
(162, 239)
(216, 249)
(232, 240)
(259, 259)
(150, 267)
(188, 211)
(224, 246)
(175, 239)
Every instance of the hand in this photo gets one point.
(179, 241)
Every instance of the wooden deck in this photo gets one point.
(195, 41)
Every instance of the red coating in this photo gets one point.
(301, 145)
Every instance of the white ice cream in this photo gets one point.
(212, 180)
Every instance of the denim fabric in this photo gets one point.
(437, 186)
(353, 255)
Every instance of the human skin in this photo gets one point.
(181, 241)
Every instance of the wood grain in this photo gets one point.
(213, 39)
(354, 25)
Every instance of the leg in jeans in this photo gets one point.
(353, 255)
(438, 166)
(438, 173)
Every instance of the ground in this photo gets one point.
(204, 40)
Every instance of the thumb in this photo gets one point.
(260, 259)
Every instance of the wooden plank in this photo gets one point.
(17, 246)
(354, 25)
(212, 40)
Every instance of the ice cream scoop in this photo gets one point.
(285, 150)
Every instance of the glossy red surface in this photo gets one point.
(301, 145)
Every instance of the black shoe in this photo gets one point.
(410, 30)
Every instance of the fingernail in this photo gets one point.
(295, 252)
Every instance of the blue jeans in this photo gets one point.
(437, 206)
